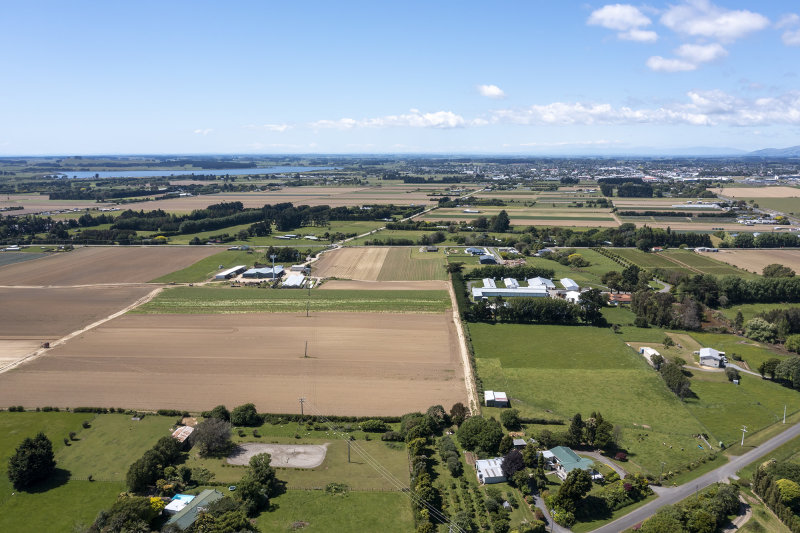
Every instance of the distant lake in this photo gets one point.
(184, 173)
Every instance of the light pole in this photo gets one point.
(744, 430)
(273, 256)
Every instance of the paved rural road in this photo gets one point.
(668, 496)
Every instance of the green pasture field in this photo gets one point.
(91, 452)
(206, 268)
(438, 216)
(705, 264)
(751, 310)
(752, 352)
(358, 473)
(723, 407)
(9, 258)
(388, 512)
(61, 507)
(409, 264)
(557, 371)
(67, 502)
(784, 205)
(413, 235)
(213, 300)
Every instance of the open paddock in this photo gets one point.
(357, 364)
(351, 263)
(39, 203)
(103, 264)
(332, 196)
(755, 260)
(758, 192)
(343, 285)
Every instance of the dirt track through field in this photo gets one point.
(351, 263)
(98, 265)
(357, 364)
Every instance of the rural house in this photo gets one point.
(711, 357)
(565, 461)
(184, 518)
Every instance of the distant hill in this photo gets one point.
(792, 151)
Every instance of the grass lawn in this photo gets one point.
(412, 265)
(358, 474)
(557, 371)
(753, 352)
(206, 268)
(111, 444)
(59, 508)
(355, 511)
(210, 300)
(591, 525)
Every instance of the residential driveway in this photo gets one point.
(551, 526)
(597, 456)
(672, 495)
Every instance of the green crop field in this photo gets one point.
(705, 264)
(784, 205)
(9, 258)
(386, 234)
(556, 371)
(211, 300)
(376, 511)
(411, 265)
(646, 259)
(206, 268)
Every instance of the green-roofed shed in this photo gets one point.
(186, 516)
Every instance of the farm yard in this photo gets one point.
(756, 260)
(103, 265)
(389, 365)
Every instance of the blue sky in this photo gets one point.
(522, 77)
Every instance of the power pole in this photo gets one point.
(305, 356)
(273, 256)
(348, 450)
(744, 430)
(784, 414)
(302, 401)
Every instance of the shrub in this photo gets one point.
(373, 425)
(245, 415)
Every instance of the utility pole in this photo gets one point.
(744, 430)
(784, 414)
(273, 256)
(348, 450)
(662, 471)
(302, 401)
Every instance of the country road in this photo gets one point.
(671, 495)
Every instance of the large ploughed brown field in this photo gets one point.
(103, 265)
(357, 364)
(756, 260)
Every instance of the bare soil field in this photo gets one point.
(35, 203)
(49, 313)
(757, 192)
(756, 260)
(351, 263)
(342, 285)
(283, 455)
(99, 265)
(357, 364)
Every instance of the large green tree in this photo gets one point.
(32, 462)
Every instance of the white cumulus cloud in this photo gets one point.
(790, 21)
(701, 18)
(626, 19)
(203, 131)
(269, 127)
(413, 119)
(701, 53)
(664, 64)
(701, 108)
(491, 91)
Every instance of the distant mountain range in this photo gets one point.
(792, 151)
